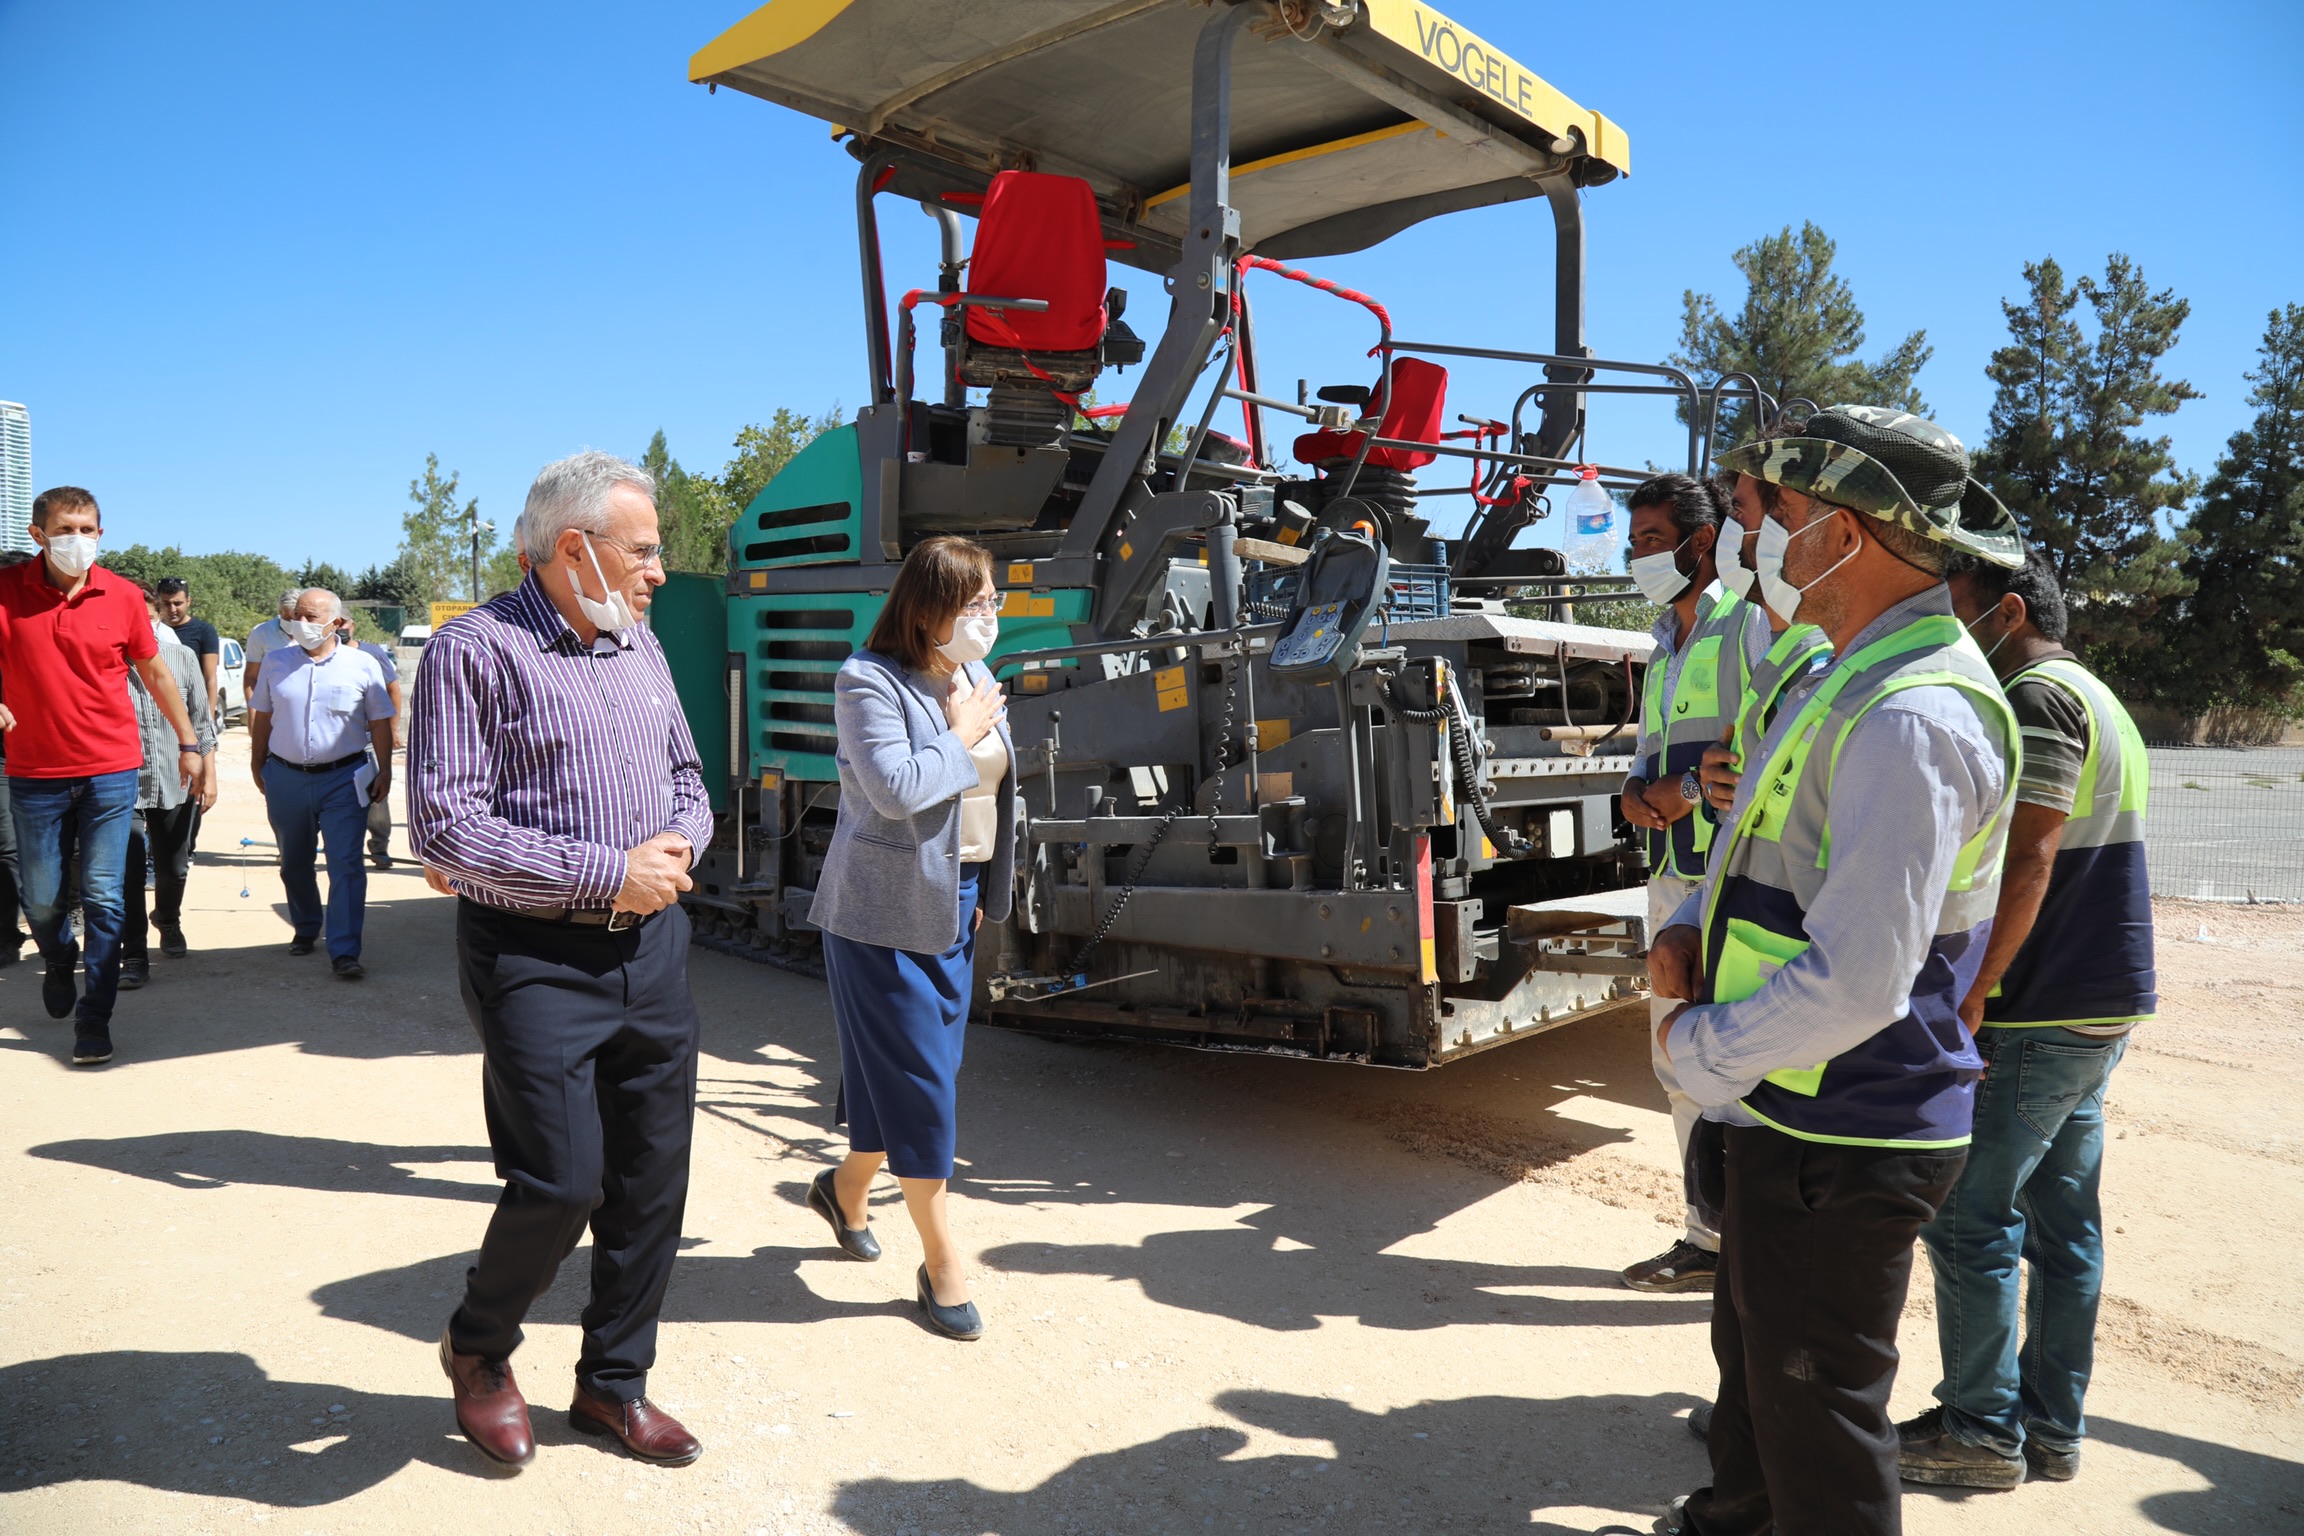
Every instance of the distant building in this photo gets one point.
(15, 476)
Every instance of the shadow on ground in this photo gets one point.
(1465, 1464)
(407, 1006)
(212, 1423)
(220, 1159)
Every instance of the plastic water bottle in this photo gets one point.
(1591, 511)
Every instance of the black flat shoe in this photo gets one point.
(856, 1242)
(962, 1322)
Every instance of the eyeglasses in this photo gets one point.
(646, 554)
(982, 608)
(169, 585)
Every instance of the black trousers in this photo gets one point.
(588, 1043)
(1815, 1253)
(165, 837)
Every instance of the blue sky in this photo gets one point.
(259, 260)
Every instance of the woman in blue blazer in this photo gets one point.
(924, 851)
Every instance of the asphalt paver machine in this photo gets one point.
(1295, 779)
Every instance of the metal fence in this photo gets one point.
(2227, 823)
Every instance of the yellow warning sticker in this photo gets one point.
(1023, 605)
(1273, 733)
(1032, 682)
(1170, 682)
(759, 581)
(1020, 574)
(1127, 550)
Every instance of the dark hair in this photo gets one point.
(2034, 581)
(62, 498)
(1695, 503)
(168, 584)
(940, 577)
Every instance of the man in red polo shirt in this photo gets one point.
(69, 632)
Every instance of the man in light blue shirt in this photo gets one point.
(315, 713)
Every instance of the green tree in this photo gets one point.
(400, 582)
(233, 591)
(2067, 456)
(2239, 638)
(436, 537)
(1798, 333)
(696, 511)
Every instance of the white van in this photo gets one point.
(413, 637)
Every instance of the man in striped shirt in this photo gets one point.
(555, 788)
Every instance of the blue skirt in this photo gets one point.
(902, 1018)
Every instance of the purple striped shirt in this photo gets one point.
(535, 763)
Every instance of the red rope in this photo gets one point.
(1354, 295)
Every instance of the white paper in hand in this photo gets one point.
(364, 780)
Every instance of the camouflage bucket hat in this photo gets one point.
(1891, 465)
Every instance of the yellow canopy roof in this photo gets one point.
(1341, 134)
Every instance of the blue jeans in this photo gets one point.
(2027, 1196)
(309, 811)
(82, 823)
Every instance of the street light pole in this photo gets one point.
(478, 528)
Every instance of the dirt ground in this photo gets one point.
(1223, 1293)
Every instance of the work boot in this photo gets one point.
(1681, 1267)
(135, 973)
(1928, 1452)
(2051, 1466)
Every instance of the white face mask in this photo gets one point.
(1782, 595)
(612, 613)
(1659, 577)
(1735, 575)
(971, 639)
(73, 553)
(307, 634)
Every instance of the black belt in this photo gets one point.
(583, 917)
(342, 762)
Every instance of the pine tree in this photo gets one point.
(696, 511)
(1798, 334)
(2067, 457)
(2240, 637)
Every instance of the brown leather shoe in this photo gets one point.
(489, 1407)
(647, 1431)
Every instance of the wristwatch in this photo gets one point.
(188, 746)
(1690, 790)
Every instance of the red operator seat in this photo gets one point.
(1039, 237)
(1419, 400)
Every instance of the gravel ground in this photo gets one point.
(1223, 1293)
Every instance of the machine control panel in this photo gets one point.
(1342, 587)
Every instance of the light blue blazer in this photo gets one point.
(892, 874)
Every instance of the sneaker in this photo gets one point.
(172, 943)
(1928, 1452)
(1681, 1267)
(135, 974)
(350, 969)
(91, 1047)
(1674, 1520)
(60, 988)
(380, 860)
(301, 945)
(11, 953)
(1700, 1421)
(2051, 1466)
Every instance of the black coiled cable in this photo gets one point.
(1467, 769)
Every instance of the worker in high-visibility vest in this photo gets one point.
(1707, 643)
(1825, 958)
(1794, 650)
(2067, 975)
